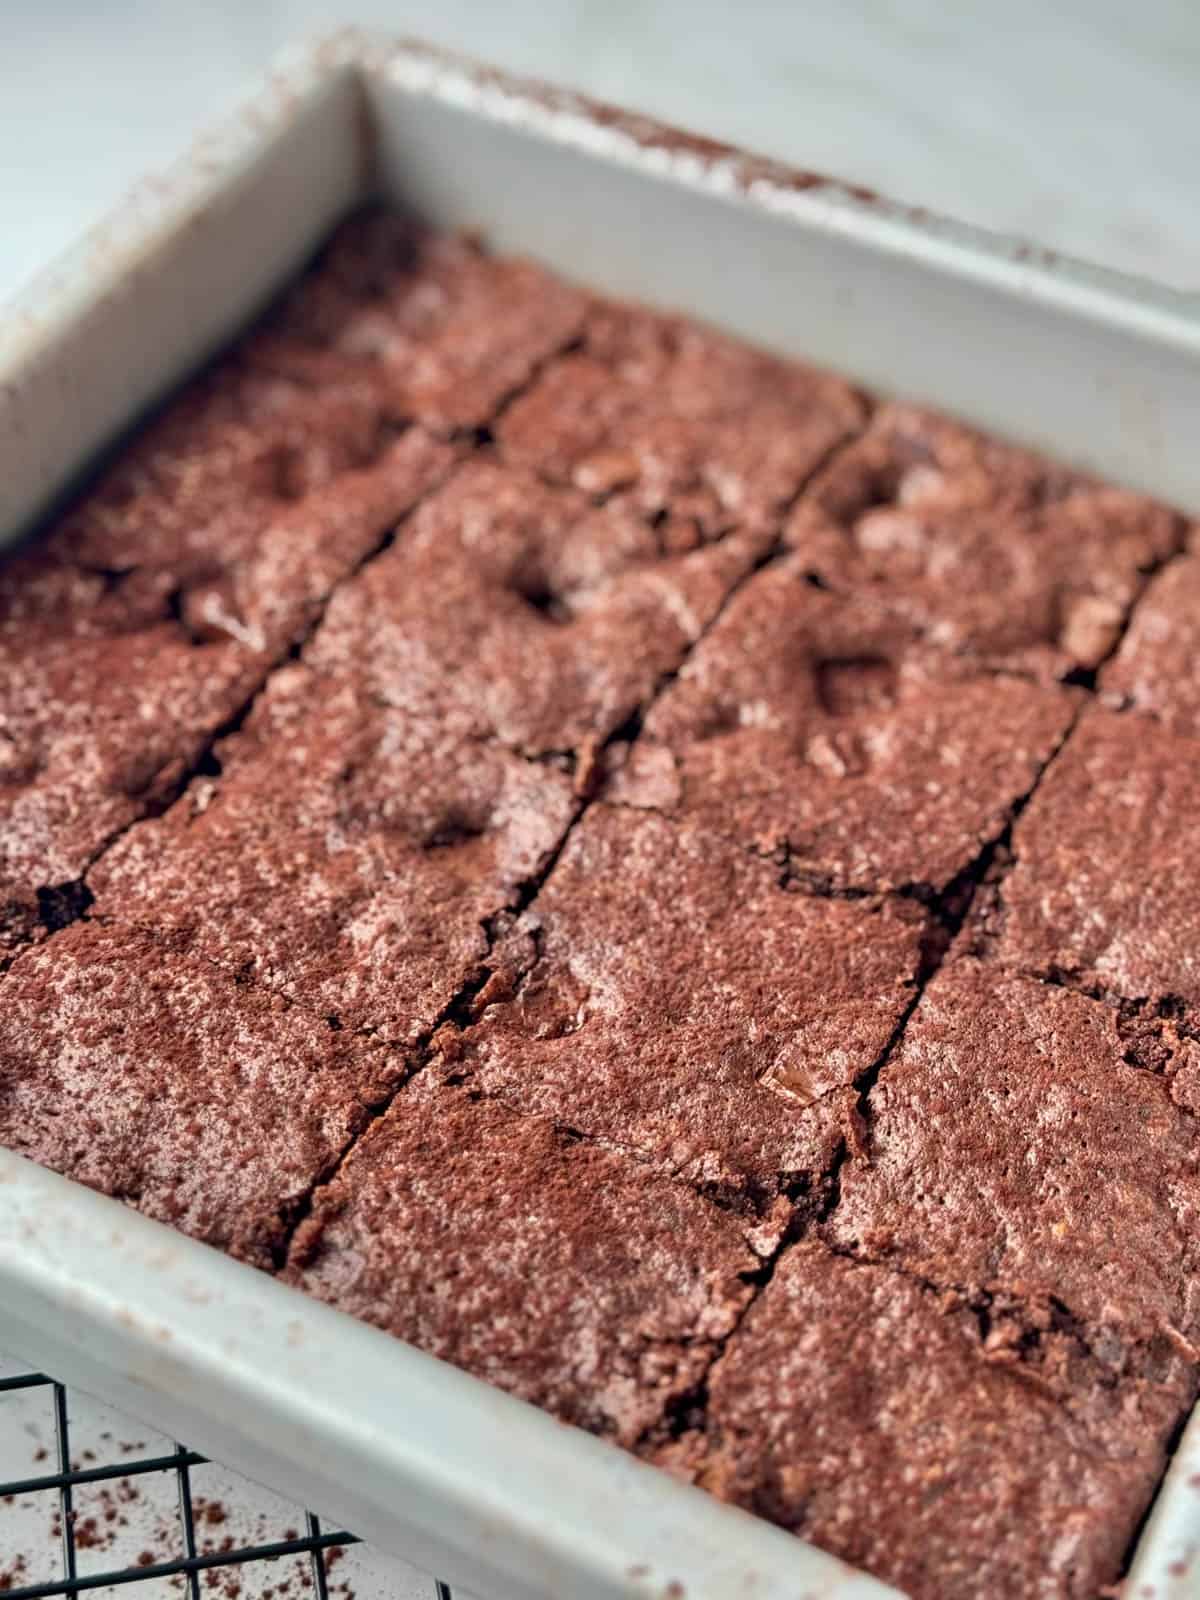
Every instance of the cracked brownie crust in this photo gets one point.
(524, 613)
(989, 552)
(1107, 878)
(678, 422)
(346, 856)
(152, 1076)
(816, 727)
(668, 996)
(551, 1267)
(599, 851)
(866, 1411)
(1014, 1148)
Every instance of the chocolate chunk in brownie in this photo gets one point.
(157, 1079)
(516, 610)
(808, 724)
(874, 1417)
(346, 856)
(671, 998)
(437, 330)
(1157, 668)
(686, 425)
(552, 1268)
(1015, 1148)
(989, 551)
(1107, 876)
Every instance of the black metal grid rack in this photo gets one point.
(315, 1542)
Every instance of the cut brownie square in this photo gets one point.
(157, 1079)
(439, 332)
(988, 551)
(809, 725)
(876, 1418)
(1105, 888)
(691, 428)
(669, 997)
(1015, 1149)
(1157, 668)
(347, 856)
(514, 610)
(554, 1269)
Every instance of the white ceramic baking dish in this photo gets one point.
(1100, 371)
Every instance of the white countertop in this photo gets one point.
(1073, 124)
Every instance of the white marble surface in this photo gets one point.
(1072, 122)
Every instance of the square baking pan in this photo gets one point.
(1099, 371)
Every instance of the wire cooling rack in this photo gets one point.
(92, 1503)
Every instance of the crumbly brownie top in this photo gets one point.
(566, 834)
(688, 427)
(155, 1078)
(1107, 879)
(810, 726)
(551, 1267)
(987, 550)
(1014, 1148)
(521, 612)
(876, 1416)
(1157, 668)
(667, 995)
(436, 330)
(347, 856)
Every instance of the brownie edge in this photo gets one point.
(862, 1412)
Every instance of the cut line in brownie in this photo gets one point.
(144, 622)
(1156, 671)
(665, 995)
(554, 1269)
(435, 329)
(814, 728)
(876, 1418)
(152, 1076)
(516, 611)
(989, 551)
(1014, 1148)
(687, 426)
(1106, 884)
(347, 856)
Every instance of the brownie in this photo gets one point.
(436, 329)
(553, 1268)
(513, 610)
(1157, 668)
(989, 551)
(811, 726)
(666, 995)
(691, 428)
(152, 1076)
(147, 619)
(877, 1417)
(1104, 891)
(588, 846)
(1014, 1148)
(346, 855)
